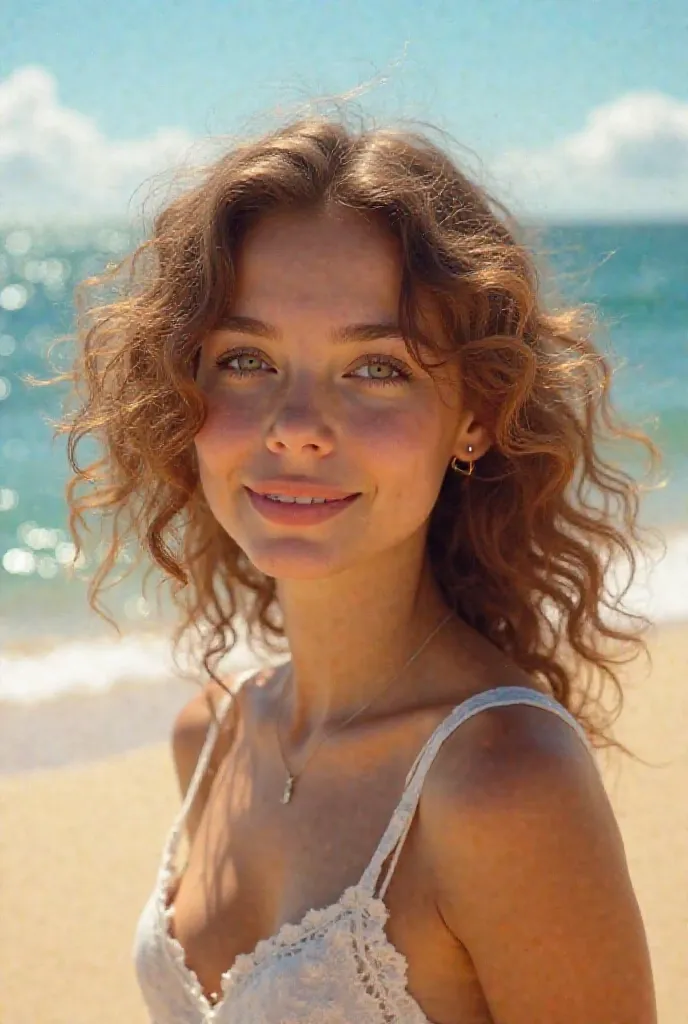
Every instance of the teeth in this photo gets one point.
(296, 501)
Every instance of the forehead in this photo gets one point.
(319, 259)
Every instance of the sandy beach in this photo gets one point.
(80, 843)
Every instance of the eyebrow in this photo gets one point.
(350, 333)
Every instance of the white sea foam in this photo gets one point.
(660, 592)
(83, 666)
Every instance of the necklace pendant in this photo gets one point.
(288, 787)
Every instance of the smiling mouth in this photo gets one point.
(298, 509)
(288, 500)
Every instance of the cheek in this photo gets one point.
(406, 446)
(229, 428)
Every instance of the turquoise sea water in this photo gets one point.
(636, 274)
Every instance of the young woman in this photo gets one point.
(335, 409)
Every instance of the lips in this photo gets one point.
(297, 503)
(300, 487)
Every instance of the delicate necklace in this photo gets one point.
(293, 776)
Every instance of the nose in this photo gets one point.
(298, 427)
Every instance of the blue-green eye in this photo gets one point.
(381, 371)
(243, 363)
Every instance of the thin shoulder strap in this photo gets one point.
(393, 839)
(202, 765)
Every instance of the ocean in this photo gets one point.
(51, 643)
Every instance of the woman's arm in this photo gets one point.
(532, 875)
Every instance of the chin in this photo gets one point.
(296, 558)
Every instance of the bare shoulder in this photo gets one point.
(189, 733)
(508, 771)
(190, 729)
(494, 753)
(530, 871)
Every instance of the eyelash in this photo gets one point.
(404, 374)
(223, 362)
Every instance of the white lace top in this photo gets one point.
(336, 966)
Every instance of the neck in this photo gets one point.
(349, 635)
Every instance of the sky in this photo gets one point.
(565, 110)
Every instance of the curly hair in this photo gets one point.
(520, 549)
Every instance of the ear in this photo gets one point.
(471, 432)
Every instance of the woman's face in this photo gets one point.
(312, 394)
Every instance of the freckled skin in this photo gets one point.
(308, 406)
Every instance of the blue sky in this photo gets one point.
(597, 86)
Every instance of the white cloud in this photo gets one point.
(629, 160)
(55, 163)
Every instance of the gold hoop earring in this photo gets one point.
(455, 465)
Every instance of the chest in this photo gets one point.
(257, 864)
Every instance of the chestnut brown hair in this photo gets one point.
(520, 549)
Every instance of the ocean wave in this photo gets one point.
(96, 666)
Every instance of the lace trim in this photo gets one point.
(383, 970)
(174, 949)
